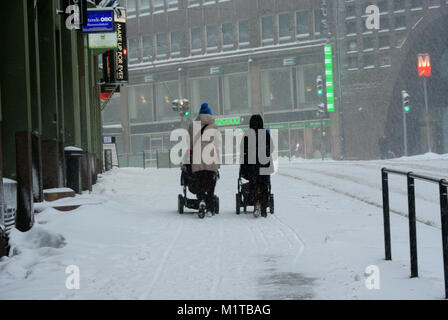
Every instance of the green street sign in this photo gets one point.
(289, 62)
(297, 125)
(227, 122)
(150, 78)
(215, 70)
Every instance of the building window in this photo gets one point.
(133, 48)
(385, 61)
(302, 23)
(417, 4)
(173, 4)
(276, 89)
(384, 23)
(196, 39)
(350, 27)
(383, 6)
(367, 43)
(352, 62)
(227, 35)
(352, 45)
(317, 21)
(212, 38)
(350, 11)
(144, 5)
(130, 5)
(205, 90)
(284, 26)
(384, 42)
(194, 3)
(158, 6)
(165, 93)
(243, 33)
(399, 5)
(140, 104)
(148, 47)
(400, 22)
(369, 61)
(161, 44)
(267, 29)
(434, 3)
(236, 94)
(175, 43)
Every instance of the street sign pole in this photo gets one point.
(428, 133)
(405, 134)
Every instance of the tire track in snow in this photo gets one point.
(297, 239)
(217, 277)
(353, 196)
(162, 263)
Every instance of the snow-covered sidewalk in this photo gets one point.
(132, 244)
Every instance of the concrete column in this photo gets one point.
(125, 120)
(255, 88)
(16, 106)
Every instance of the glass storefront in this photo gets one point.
(236, 94)
(166, 92)
(306, 85)
(204, 90)
(140, 104)
(112, 113)
(276, 89)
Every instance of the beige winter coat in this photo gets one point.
(212, 144)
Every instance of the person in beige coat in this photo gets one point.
(205, 143)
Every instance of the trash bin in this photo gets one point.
(108, 159)
(73, 168)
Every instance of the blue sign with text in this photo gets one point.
(99, 21)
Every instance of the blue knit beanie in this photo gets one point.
(205, 109)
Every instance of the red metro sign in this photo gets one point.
(424, 65)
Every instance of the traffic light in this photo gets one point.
(405, 101)
(182, 106)
(319, 85)
(320, 109)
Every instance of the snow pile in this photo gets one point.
(37, 237)
(28, 249)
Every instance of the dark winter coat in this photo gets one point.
(250, 170)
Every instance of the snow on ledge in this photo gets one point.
(58, 190)
(72, 149)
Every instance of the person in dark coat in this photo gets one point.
(257, 171)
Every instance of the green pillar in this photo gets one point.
(52, 164)
(71, 92)
(15, 79)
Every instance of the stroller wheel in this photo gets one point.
(238, 203)
(216, 205)
(180, 204)
(271, 204)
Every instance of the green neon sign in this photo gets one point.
(329, 77)
(227, 122)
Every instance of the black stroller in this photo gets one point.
(246, 197)
(189, 183)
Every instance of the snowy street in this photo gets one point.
(129, 242)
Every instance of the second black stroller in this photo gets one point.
(247, 196)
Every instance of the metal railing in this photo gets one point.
(443, 186)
